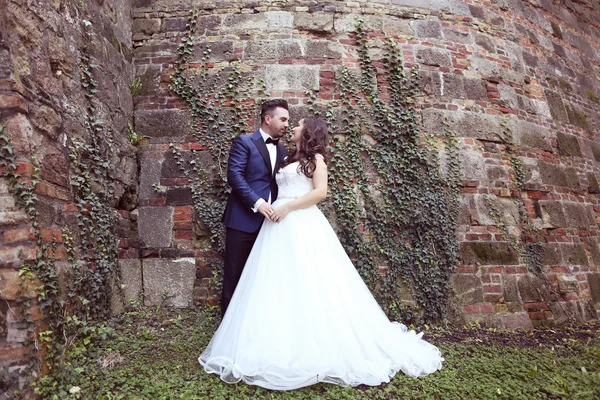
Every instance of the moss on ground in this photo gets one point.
(152, 354)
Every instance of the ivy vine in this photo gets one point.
(92, 257)
(220, 111)
(407, 203)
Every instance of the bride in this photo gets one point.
(301, 314)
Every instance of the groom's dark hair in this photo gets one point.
(268, 108)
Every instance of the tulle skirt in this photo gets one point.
(301, 314)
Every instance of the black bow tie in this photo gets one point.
(271, 140)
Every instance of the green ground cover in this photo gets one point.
(152, 354)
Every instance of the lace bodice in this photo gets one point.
(292, 183)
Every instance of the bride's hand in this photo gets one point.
(281, 212)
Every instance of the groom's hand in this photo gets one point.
(267, 210)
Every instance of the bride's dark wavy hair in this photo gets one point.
(312, 142)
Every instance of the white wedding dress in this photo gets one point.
(301, 314)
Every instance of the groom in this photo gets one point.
(253, 161)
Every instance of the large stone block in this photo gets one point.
(155, 50)
(155, 225)
(221, 50)
(577, 215)
(400, 27)
(472, 164)
(568, 145)
(291, 77)
(594, 281)
(46, 119)
(552, 254)
(244, 22)
(552, 174)
(279, 19)
(508, 96)
(488, 253)
(316, 22)
(169, 278)
(427, 29)
(150, 172)
(290, 48)
(453, 86)
(593, 248)
(146, 26)
(556, 105)
(324, 49)
(553, 215)
(510, 289)
(474, 88)
(162, 123)
(472, 125)
(150, 79)
(412, 3)
(519, 320)
(129, 288)
(532, 289)
(533, 136)
(433, 56)
(568, 284)
(452, 35)
(23, 139)
(347, 23)
(260, 50)
(468, 288)
(574, 254)
(480, 210)
(9, 284)
(430, 82)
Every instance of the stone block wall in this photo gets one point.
(42, 106)
(509, 73)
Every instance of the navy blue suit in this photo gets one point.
(251, 177)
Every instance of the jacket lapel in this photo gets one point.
(262, 148)
(278, 158)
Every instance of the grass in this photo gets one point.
(152, 354)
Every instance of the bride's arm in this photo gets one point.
(311, 198)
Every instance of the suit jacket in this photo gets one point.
(250, 177)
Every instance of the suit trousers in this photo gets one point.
(238, 245)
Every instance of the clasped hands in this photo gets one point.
(272, 213)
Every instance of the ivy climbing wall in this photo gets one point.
(516, 83)
(68, 182)
(465, 153)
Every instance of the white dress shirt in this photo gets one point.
(273, 156)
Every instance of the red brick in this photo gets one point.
(13, 102)
(11, 254)
(572, 296)
(184, 210)
(158, 202)
(44, 189)
(13, 353)
(536, 316)
(50, 235)
(18, 235)
(536, 306)
(70, 207)
(487, 308)
(492, 289)
(471, 308)
(129, 253)
(189, 235)
(182, 225)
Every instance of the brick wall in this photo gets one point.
(534, 64)
(42, 104)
